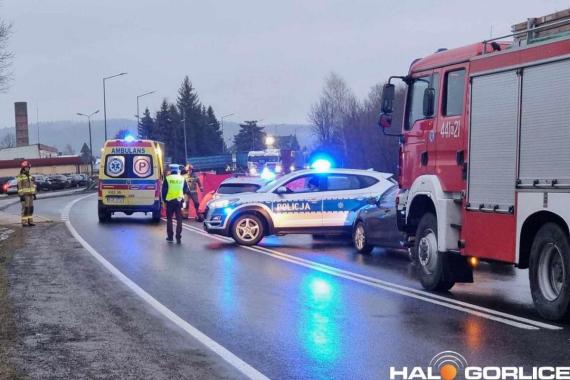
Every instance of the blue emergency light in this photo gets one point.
(321, 164)
(129, 138)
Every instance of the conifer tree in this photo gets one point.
(250, 137)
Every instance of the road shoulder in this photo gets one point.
(63, 316)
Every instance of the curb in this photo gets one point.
(79, 192)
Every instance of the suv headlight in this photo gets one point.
(222, 203)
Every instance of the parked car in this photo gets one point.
(42, 182)
(58, 182)
(376, 224)
(11, 187)
(3, 183)
(83, 179)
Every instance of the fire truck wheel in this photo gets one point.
(549, 272)
(247, 229)
(431, 262)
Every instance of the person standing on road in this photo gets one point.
(27, 193)
(193, 184)
(173, 189)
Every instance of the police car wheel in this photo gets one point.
(359, 239)
(247, 229)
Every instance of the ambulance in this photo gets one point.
(130, 178)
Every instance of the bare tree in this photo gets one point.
(329, 115)
(8, 141)
(348, 128)
(5, 55)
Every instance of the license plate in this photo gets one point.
(115, 200)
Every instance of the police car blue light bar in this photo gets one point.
(321, 164)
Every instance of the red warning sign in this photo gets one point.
(142, 166)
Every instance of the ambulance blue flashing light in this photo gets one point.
(129, 138)
(321, 165)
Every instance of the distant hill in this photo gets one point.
(75, 133)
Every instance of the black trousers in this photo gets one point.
(174, 207)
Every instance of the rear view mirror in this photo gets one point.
(373, 201)
(385, 121)
(388, 98)
(429, 101)
(281, 190)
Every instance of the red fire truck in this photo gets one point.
(485, 160)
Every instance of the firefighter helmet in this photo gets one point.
(25, 164)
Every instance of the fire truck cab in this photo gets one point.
(485, 160)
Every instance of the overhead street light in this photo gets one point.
(138, 112)
(105, 100)
(222, 124)
(88, 116)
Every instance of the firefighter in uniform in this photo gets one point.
(27, 193)
(193, 184)
(174, 188)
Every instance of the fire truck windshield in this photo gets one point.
(414, 108)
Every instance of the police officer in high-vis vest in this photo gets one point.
(27, 193)
(173, 189)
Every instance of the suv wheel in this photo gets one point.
(247, 229)
(359, 239)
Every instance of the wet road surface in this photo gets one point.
(304, 308)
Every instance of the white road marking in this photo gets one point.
(499, 316)
(224, 353)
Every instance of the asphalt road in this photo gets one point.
(299, 308)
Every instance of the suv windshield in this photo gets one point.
(234, 188)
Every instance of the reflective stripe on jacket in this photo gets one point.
(25, 185)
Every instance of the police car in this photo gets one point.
(306, 201)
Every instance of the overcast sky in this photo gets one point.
(259, 59)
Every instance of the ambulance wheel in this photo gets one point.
(359, 240)
(549, 272)
(104, 216)
(247, 229)
(431, 262)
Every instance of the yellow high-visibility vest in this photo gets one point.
(175, 187)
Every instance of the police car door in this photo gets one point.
(301, 205)
(342, 198)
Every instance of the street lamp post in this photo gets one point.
(138, 112)
(105, 101)
(223, 141)
(185, 141)
(90, 139)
